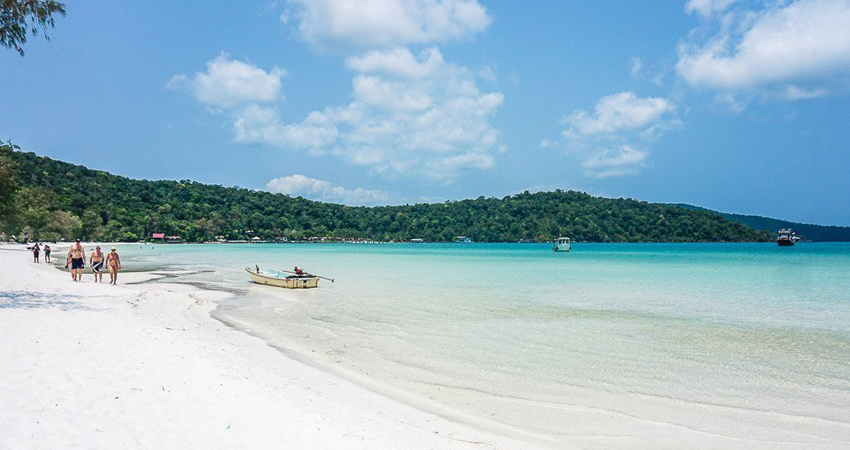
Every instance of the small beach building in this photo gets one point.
(158, 237)
(173, 240)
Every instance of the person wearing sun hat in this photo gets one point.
(113, 263)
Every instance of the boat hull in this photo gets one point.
(785, 243)
(287, 283)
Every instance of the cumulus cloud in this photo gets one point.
(411, 115)
(228, 83)
(611, 140)
(369, 24)
(623, 111)
(792, 49)
(300, 185)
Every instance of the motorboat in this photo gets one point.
(786, 237)
(562, 244)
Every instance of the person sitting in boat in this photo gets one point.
(298, 271)
(258, 268)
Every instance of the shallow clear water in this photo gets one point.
(730, 340)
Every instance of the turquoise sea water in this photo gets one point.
(729, 343)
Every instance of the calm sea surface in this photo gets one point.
(729, 343)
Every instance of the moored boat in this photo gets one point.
(562, 244)
(786, 237)
(276, 278)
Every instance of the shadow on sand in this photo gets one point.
(33, 300)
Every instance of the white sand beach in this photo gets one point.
(144, 366)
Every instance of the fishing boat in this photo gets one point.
(562, 244)
(276, 278)
(786, 237)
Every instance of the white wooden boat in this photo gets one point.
(562, 244)
(275, 278)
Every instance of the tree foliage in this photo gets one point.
(7, 177)
(17, 17)
(116, 208)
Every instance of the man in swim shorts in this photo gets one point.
(46, 253)
(96, 262)
(76, 258)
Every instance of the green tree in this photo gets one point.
(61, 225)
(91, 227)
(8, 187)
(19, 16)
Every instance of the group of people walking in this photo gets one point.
(36, 250)
(77, 261)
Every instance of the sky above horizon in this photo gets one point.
(738, 106)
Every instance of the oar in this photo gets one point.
(308, 274)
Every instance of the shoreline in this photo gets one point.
(147, 365)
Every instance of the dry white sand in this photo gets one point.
(94, 366)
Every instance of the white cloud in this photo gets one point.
(300, 185)
(373, 24)
(606, 163)
(228, 83)
(398, 62)
(411, 115)
(803, 43)
(614, 113)
(707, 8)
(611, 141)
(635, 66)
(797, 93)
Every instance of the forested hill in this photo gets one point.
(55, 199)
(804, 230)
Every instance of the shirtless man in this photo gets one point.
(96, 262)
(114, 265)
(77, 259)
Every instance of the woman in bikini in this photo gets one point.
(114, 265)
(96, 262)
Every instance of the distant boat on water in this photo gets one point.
(463, 240)
(562, 244)
(786, 237)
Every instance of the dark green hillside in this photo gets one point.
(55, 199)
(804, 230)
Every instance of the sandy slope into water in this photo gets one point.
(145, 366)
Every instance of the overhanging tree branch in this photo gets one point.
(19, 16)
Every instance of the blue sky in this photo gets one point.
(740, 106)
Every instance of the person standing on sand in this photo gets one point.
(47, 253)
(114, 264)
(96, 262)
(77, 260)
(35, 251)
